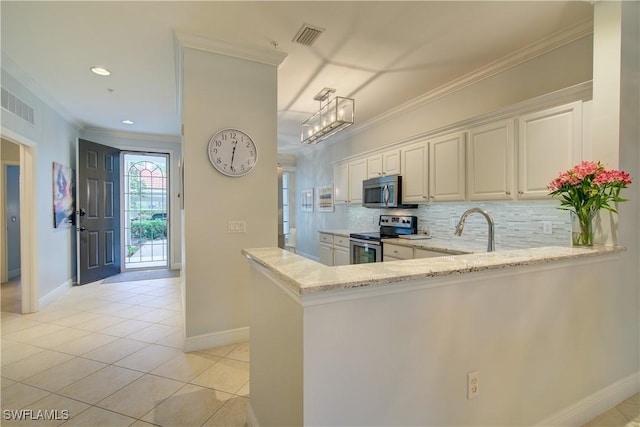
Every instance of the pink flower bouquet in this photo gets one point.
(586, 189)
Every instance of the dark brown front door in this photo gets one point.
(99, 211)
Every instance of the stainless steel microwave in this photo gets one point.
(383, 192)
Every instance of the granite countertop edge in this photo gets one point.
(303, 276)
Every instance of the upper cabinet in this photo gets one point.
(549, 141)
(490, 161)
(447, 168)
(347, 178)
(513, 158)
(434, 170)
(415, 173)
(382, 164)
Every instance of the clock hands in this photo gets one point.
(233, 153)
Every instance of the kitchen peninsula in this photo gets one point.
(392, 343)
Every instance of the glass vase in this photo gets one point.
(582, 228)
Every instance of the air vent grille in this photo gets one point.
(15, 105)
(307, 34)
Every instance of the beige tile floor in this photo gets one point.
(111, 355)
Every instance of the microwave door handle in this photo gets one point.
(386, 194)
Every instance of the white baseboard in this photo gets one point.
(48, 298)
(252, 421)
(216, 339)
(595, 404)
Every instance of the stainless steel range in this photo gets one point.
(367, 247)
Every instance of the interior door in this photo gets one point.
(98, 211)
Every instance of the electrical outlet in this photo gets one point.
(547, 227)
(472, 385)
(237, 227)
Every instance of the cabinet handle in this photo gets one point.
(424, 197)
(520, 192)
(508, 193)
(431, 197)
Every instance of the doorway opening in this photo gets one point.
(11, 296)
(145, 211)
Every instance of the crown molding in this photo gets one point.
(37, 90)
(576, 32)
(238, 50)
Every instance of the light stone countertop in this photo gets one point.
(305, 277)
(341, 233)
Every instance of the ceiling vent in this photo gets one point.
(15, 105)
(307, 34)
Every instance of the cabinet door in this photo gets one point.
(341, 183)
(549, 142)
(391, 163)
(447, 168)
(396, 252)
(357, 174)
(374, 166)
(490, 160)
(341, 256)
(415, 164)
(326, 254)
(425, 253)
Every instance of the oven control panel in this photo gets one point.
(400, 221)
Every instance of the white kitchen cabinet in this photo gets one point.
(415, 172)
(490, 161)
(434, 170)
(447, 168)
(549, 141)
(357, 174)
(347, 179)
(391, 252)
(341, 183)
(326, 248)
(425, 253)
(382, 164)
(341, 251)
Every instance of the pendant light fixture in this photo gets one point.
(332, 117)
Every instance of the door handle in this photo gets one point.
(82, 228)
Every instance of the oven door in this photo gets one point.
(364, 251)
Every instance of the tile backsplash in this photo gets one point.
(518, 224)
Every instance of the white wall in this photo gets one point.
(53, 139)
(221, 92)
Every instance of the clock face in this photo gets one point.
(232, 152)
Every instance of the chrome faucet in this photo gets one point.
(491, 245)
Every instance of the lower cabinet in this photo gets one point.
(391, 252)
(334, 250)
(326, 248)
(341, 250)
(425, 253)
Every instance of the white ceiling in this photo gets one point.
(382, 53)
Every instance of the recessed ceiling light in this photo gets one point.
(100, 71)
(128, 122)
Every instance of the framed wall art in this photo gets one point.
(324, 199)
(63, 196)
(306, 200)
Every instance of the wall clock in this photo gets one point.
(232, 152)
